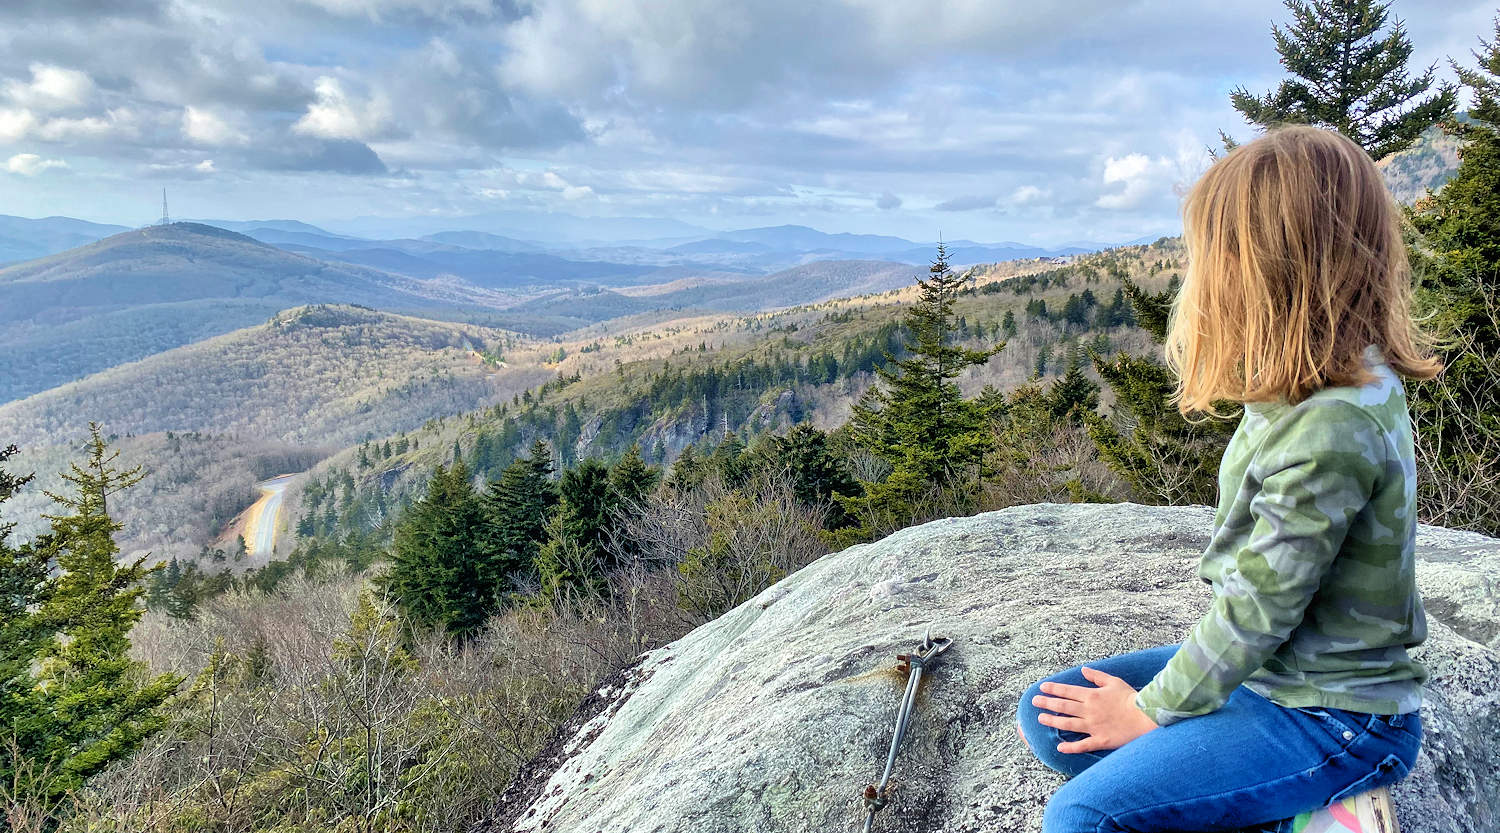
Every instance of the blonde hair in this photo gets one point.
(1295, 263)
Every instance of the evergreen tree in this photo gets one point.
(516, 508)
(1043, 357)
(1457, 255)
(586, 487)
(816, 472)
(1162, 456)
(436, 559)
(1350, 74)
(915, 418)
(24, 589)
(688, 470)
(567, 570)
(631, 479)
(728, 459)
(575, 557)
(1074, 393)
(84, 702)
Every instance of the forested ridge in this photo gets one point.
(457, 589)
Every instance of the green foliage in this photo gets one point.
(1036, 430)
(24, 588)
(516, 510)
(1073, 394)
(1349, 76)
(1458, 257)
(72, 699)
(687, 470)
(917, 420)
(631, 478)
(569, 571)
(437, 568)
(816, 470)
(575, 557)
(1163, 457)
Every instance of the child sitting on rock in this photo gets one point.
(1295, 690)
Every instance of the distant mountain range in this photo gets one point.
(22, 238)
(554, 253)
(116, 295)
(143, 291)
(807, 284)
(314, 375)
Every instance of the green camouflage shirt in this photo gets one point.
(1311, 561)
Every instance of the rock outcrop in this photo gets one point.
(771, 717)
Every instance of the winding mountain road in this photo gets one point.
(260, 520)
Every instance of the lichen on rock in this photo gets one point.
(772, 717)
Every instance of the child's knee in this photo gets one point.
(1070, 811)
(1042, 740)
(1026, 713)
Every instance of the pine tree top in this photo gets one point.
(1349, 74)
(97, 478)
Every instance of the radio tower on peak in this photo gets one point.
(166, 219)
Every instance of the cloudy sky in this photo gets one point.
(987, 119)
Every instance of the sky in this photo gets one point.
(1037, 122)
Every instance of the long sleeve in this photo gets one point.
(1310, 475)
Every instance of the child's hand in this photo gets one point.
(1107, 714)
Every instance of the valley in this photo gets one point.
(214, 342)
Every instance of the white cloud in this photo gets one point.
(377, 9)
(206, 128)
(51, 88)
(1134, 172)
(1029, 194)
(1134, 179)
(15, 124)
(119, 122)
(29, 164)
(577, 192)
(205, 167)
(337, 115)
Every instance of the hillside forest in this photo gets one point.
(452, 590)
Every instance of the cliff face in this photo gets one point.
(772, 717)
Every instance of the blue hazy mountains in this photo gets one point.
(82, 297)
(22, 238)
(142, 291)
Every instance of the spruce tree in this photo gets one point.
(1349, 74)
(1073, 394)
(1162, 456)
(24, 589)
(728, 459)
(915, 418)
(516, 508)
(688, 470)
(436, 564)
(576, 556)
(567, 569)
(631, 479)
(816, 472)
(1457, 255)
(90, 703)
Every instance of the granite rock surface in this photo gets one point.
(773, 716)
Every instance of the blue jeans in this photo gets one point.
(1250, 763)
